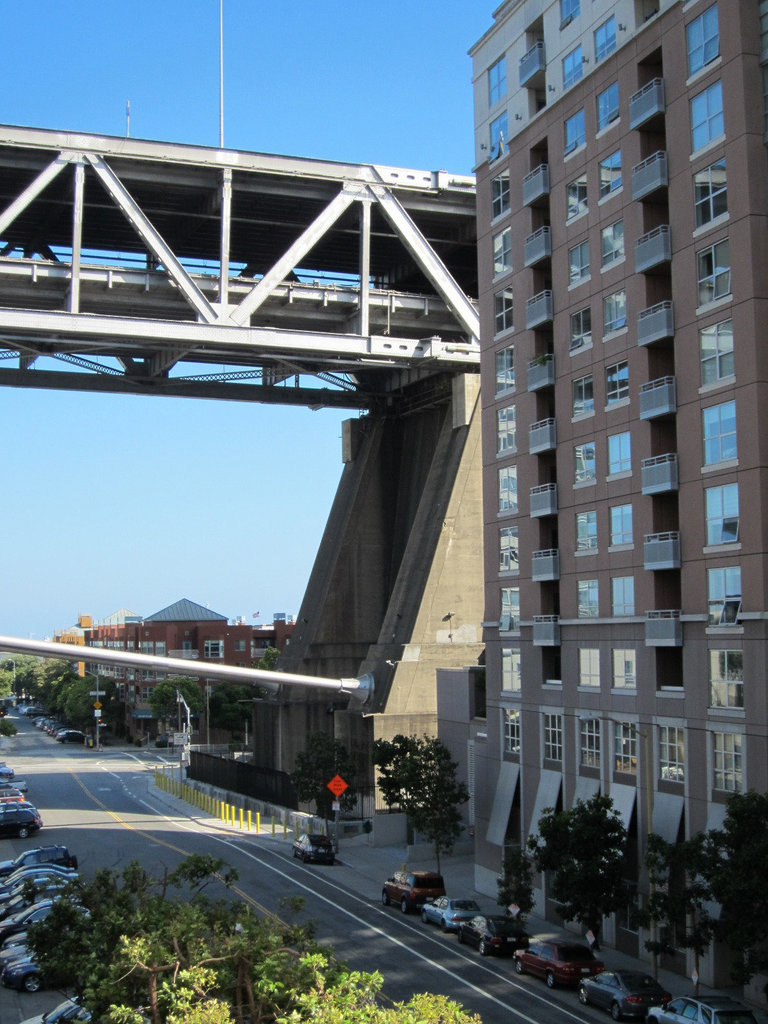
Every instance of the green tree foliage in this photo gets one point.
(230, 706)
(23, 678)
(322, 759)
(419, 775)
(585, 851)
(7, 728)
(515, 886)
(53, 681)
(268, 659)
(164, 700)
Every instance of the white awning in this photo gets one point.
(624, 802)
(546, 796)
(586, 788)
(506, 784)
(667, 812)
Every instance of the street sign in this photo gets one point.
(337, 785)
(97, 713)
(96, 693)
(97, 704)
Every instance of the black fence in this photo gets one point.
(238, 776)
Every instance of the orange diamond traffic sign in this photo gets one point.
(337, 785)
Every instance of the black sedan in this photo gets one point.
(622, 993)
(314, 847)
(493, 933)
(23, 974)
(70, 736)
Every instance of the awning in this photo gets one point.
(546, 796)
(141, 713)
(586, 788)
(624, 802)
(506, 784)
(667, 813)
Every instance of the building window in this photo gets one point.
(717, 352)
(573, 67)
(500, 194)
(621, 524)
(510, 669)
(714, 272)
(625, 747)
(239, 645)
(710, 193)
(727, 762)
(503, 306)
(569, 9)
(724, 591)
(583, 397)
(610, 174)
(509, 559)
(624, 668)
(505, 369)
(722, 511)
(726, 679)
(575, 131)
(615, 311)
(605, 39)
(511, 731)
(623, 595)
(719, 422)
(497, 81)
(213, 649)
(510, 609)
(508, 489)
(505, 430)
(607, 106)
(581, 328)
(612, 243)
(553, 737)
(586, 530)
(577, 196)
(671, 753)
(707, 123)
(585, 466)
(589, 666)
(578, 262)
(616, 382)
(619, 453)
(498, 135)
(589, 743)
(502, 251)
(703, 40)
(146, 647)
(587, 596)
(160, 648)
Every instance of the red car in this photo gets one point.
(559, 963)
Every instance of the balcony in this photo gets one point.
(658, 398)
(546, 630)
(541, 372)
(532, 63)
(661, 551)
(539, 309)
(653, 249)
(545, 565)
(647, 103)
(663, 629)
(538, 247)
(536, 185)
(650, 175)
(543, 501)
(658, 475)
(656, 323)
(542, 436)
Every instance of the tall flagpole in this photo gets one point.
(221, 74)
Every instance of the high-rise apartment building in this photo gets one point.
(622, 201)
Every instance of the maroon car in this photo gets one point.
(559, 963)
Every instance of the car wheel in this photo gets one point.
(31, 983)
(550, 979)
(460, 936)
(384, 897)
(443, 925)
(616, 1011)
(404, 905)
(582, 993)
(424, 917)
(295, 852)
(519, 965)
(484, 949)
(23, 831)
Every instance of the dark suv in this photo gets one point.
(19, 819)
(39, 855)
(412, 889)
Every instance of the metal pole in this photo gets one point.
(221, 74)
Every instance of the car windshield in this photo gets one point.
(319, 840)
(575, 953)
(464, 905)
(636, 980)
(505, 926)
(734, 1017)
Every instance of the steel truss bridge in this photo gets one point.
(154, 268)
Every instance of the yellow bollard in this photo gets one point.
(273, 824)
(249, 819)
(258, 821)
(241, 818)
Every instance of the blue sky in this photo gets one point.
(113, 501)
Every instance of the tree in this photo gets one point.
(7, 728)
(164, 700)
(516, 883)
(323, 758)
(268, 659)
(230, 706)
(419, 775)
(585, 849)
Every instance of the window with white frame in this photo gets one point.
(503, 309)
(583, 395)
(710, 193)
(619, 453)
(497, 81)
(716, 352)
(625, 747)
(573, 67)
(146, 647)
(616, 382)
(702, 37)
(510, 669)
(498, 135)
(586, 530)
(621, 524)
(624, 668)
(719, 428)
(610, 174)
(509, 550)
(724, 594)
(585, 466)
(671, 753)
(578, 262)
(581, 328)
(553, 737)
(726, 679)
(502, 251)
(505, 429)
(505, 369)
(587, 599)
(727, 762)
(722, 513)
(512, 731)
(623, 595)
(569, 9)
(500, 201)
(160, 648)
(510, 609)
(508, 489)
(607, 106)
(612, 243)
(615, 311)
(713, 266)
(605, 39)
(589, 666)
(575, 131)
(213, 649)
(576, 193)
(589, 743)
(707, 122)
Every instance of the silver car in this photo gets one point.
(448, 913)
(708, 1010)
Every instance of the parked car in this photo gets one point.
(707, 1010)
(19, 819)
(21, 921)
(448, 913)
(314, 847)
(39, 855)
(10, 795)
(493, 933)
(6, 772)
(23, 974)
(68, 1012)
(35, 873)
(623, 993)
(70, 736)
(559, 963)
(13, 952)
(13, 783)
(412, 889)
(26, 897)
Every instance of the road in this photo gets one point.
(104, 806)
